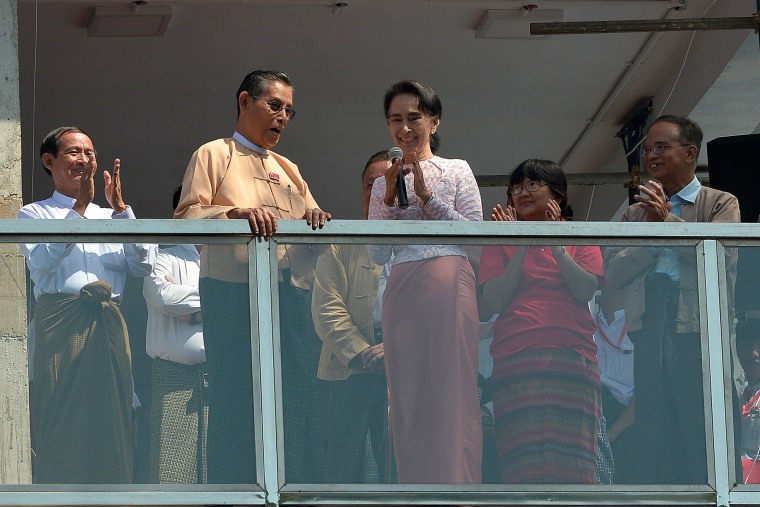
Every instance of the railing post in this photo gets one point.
(714, 308)
(263, 322)
(15, 458)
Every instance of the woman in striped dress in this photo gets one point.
(545, 384)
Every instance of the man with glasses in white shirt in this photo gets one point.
(82, 399)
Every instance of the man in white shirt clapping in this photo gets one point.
(82, 397)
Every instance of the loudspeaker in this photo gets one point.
(735, 167)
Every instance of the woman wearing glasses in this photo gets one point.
(545, 383)
(429, 314)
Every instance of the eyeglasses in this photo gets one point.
(659, 149)
(531, 186)
(276, 106)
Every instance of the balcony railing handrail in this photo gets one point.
(237, 231)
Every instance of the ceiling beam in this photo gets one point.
(655, 25)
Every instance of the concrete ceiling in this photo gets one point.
(151, 101)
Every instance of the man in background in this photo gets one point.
(352, 360)
(615, 353)
(748, 351)
(174, 339)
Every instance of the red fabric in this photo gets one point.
(542, 302)
(751, 471)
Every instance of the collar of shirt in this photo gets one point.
(64, 199)
(616, 315)
(687, 194)
(617, 322)
(690, 192)
(237, 136)
(68, 202)
(614, 333)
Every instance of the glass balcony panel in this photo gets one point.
(657, 285)
(347, 359)
(168, 400)
(379, 450)
(536, 420)
(747, 372)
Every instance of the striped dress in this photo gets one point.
(545, 384)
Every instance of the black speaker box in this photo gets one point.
(735, 167)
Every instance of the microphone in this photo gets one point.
(403, 201)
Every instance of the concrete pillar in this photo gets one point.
(15, 447)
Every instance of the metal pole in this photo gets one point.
(640, 25)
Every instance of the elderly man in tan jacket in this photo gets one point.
(662, 307)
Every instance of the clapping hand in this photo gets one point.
(656, 203)
(419, 181)
(499, 214)
(554, 213)
(113, 188)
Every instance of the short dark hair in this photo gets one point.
(430, 103)
(51, 142)
(542, 170)
(690, 131)
(176, 196)
(748, 330)
(377, 157)
(257, 81)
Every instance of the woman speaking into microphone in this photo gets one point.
(429, 311)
